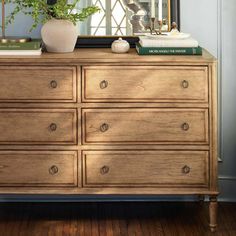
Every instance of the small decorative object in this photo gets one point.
(173, 34)
(4, 38)
(152, 25)
(120, 46)
(59, 32)
(153, 18)
(160, 23)
(164, 26)
(174, 25)
(174, 29)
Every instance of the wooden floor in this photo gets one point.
(105, 219)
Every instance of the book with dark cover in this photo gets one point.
(167, 51)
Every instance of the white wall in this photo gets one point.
(200, 17)
(212, 23)
(228, 84)
(21, 25)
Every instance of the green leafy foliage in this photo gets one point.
(41, 12)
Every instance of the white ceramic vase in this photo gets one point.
(59, 36)
(120, 46)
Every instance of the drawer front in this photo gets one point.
(38, 126)
(147, 83)
(144, 168)
(145, 126)
(41, 168)
(47, 84)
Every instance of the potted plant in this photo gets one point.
(59, 31)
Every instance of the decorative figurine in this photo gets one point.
(120, 46)
(174, 29)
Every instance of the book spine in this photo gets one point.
(184, 51)
(169, 51)
(20, 46)
(20, 52)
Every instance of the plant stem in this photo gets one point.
(3, 19)
(73, 7)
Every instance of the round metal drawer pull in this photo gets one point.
(53, 127)
(185, 84)
(104, 84)
(185, 126)
(53, 84)
(186, 170)
(104, 170)
(104, 127)
(53, 170)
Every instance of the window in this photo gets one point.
(111, 20)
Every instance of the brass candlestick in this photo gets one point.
(152, 25)
(160, 23)
(5, 39)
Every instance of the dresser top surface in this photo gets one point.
(101, 55)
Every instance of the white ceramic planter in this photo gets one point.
(59, 36)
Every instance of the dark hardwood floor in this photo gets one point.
(105, 219)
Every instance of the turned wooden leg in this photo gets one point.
(213, 213)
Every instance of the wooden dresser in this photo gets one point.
(92, 122)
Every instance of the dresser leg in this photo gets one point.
(213, 213)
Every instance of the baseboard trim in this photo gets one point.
(35, 198)
(226, 177)
(227, 187)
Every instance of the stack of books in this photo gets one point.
(31, 48)
(152, 46)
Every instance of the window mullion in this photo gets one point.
(108, 18)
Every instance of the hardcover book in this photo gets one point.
(168, 50)
(34, 44)
(168, 43)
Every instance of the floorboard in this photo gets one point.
(114, 219)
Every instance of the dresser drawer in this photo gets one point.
(38, 126)
(144, 168)
(38, 84)
(145, 83)
(41, 168)
(116, 126)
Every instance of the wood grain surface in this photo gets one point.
(145, 125)
(104, 55)
(45, 168)
(39, 126)
(145, 168)
(38, 84)
(145, 83)
(114, 219)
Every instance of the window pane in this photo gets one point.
(115, 18)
